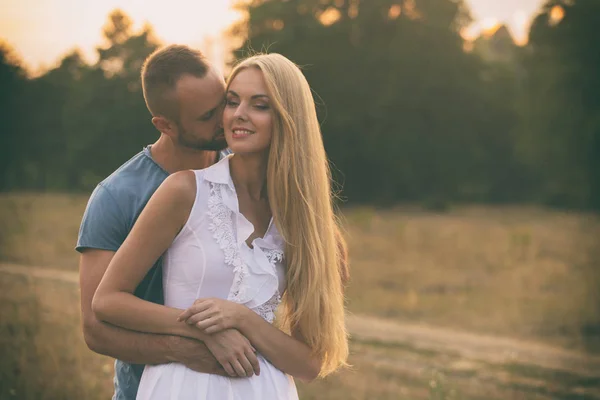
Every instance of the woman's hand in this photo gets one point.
(214, 315)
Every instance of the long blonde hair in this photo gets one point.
(301, 200)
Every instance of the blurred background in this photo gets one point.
(465, 138)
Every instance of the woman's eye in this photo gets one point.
(231, 103)
(262, 106)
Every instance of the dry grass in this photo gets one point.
(515, 271)
(43, 352)
(40, 229)
(524, 272)
(44, 356)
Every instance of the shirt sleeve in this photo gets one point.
(104, 225)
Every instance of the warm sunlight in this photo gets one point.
(42, 31)
(330, 16)
(489, 24)
(394, 11)
(515, 14)
(556, 14)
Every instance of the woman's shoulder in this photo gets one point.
(179, 188)
(181, 182)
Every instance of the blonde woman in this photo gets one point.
(253, 232)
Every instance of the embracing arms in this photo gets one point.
(288, 353)
(130, 346)
(114, 302)
(157, 226)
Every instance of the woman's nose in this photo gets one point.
(240, 112)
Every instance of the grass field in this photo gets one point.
(44, 356)
(522, 272)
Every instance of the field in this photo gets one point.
(526, 273)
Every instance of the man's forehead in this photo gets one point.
(207, 87)
(211, 77)
(216, 74)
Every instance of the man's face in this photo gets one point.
(200, 103)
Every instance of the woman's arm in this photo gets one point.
(159, 223)
(114, 302)
(289, 354)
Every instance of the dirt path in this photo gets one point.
(489, 349)
(37, 272)
(544, 371)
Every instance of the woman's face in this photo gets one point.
(248, 114)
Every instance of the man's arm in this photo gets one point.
(103, 230)
(130, 346)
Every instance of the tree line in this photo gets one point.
(408, 112)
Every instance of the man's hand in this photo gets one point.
(234, 352)
(193, 354)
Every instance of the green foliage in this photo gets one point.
(560, 121)
(407, 114)
(12, 82)
(78, 122)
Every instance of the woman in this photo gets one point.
(254, 230)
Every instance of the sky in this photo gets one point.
(517, 14)
(42, 31)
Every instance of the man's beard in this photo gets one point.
(217, 142)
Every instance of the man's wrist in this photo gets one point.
(172, 346)
(169, 346)
(193, 354)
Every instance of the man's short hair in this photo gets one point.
(161, 71)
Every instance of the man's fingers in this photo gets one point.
(238, 368)
(253, 362)
(247, 365)
(229, 369)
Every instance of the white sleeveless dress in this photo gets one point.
(210, 258)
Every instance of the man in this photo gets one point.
(184, 94)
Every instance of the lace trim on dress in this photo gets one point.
(222, 230)
(221, 227)
(274, 255)
(267, 310)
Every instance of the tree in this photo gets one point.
(72, 126)
(561, 117)
(105, 117)
(12, 82)
(404, 108)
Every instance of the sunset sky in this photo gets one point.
(41, 31)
